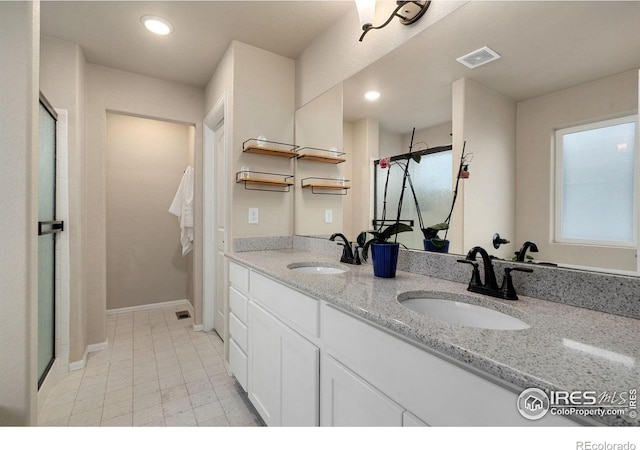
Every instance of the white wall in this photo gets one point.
(263, 104)
(436, 136)
(337, 54)
(487, 122)
(609, 97)
(19, 47)
(319, 125)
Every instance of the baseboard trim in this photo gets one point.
(78, 365)
(181, 302)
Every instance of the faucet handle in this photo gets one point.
(475, 276)
(508, 291)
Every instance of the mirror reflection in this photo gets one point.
(561, 65)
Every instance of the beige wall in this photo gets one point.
(319, 125)
(62, 80)
(487, 122)
(146, 160)
(537, 119)
(117, 91)
(19, 47)
(365, 144)
(263, 104)
(436, 136)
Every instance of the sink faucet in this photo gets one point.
(520, 256)
(490, 285)
(349, 255)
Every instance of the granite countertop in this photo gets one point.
(565, 349)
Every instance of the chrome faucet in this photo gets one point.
(520, 256)
(490, 285)
(349, 254)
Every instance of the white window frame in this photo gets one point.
(558, 134)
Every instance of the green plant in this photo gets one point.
(382, 235)
(431, 234)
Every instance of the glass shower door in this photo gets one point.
(48, 227)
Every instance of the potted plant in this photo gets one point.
(383, 252)
(432, 241)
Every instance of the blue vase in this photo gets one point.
(385, 259)
(428, 246)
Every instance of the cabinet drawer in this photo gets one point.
(238, 363)
(239, 277)
(292, 307)
(238, 304)
(238, 332)
(436, 391)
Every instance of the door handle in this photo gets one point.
(56, 227)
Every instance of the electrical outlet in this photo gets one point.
(253, 216)
(328, 216)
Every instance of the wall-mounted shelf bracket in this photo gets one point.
(270, 148)
(325, 186)
(321, 155)
(265, 181)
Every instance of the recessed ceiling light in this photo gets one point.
(156, 24)
(372, 95)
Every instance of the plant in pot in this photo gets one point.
(383, 252)
(432, 241)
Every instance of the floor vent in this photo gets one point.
(183, 314)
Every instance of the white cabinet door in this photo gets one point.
(348, 400)
(284, 372)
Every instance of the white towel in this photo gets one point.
(182, 206)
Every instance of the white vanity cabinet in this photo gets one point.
(238, 317)
(283, 372)
(428, 389)
(349, 401)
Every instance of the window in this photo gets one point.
(595, 186)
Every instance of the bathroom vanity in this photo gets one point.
(337, 348)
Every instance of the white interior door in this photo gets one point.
(219, 149)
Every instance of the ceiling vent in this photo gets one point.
(478, 57)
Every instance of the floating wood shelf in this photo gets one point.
(270, 148)
(271, 182)
(321, 185)
(321, 155)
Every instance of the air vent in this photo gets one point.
(183, 314)
(478, 57)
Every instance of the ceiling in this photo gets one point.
(545, 46)
(110, 32)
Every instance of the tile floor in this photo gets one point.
(156, 371)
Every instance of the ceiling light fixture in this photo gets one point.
(156, 24)
(372, 95)
(408, 12)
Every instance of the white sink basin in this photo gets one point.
(461, 313)
(314, 268)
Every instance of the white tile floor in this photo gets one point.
(156, 371)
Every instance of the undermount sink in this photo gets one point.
(454, 309)
(316, 268)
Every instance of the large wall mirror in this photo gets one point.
(561, 65)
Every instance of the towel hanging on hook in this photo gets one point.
(182, 207)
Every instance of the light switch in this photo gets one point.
(253, 216)
(328, 216)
